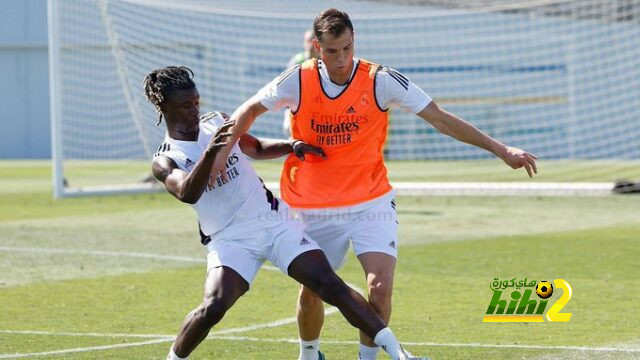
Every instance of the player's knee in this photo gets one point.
(212, 310)
(331, 288)
(308, 299)
(380, 293)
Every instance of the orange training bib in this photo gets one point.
(351, 129)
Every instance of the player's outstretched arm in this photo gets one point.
(242, 118)
(451, 125)
(265, 149)
(188, 187)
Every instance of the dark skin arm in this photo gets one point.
(188, 187)
(265, 149)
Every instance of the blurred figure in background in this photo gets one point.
(297, 59)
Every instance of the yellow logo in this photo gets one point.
(522, 304)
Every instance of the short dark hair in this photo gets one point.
(159, 83)
(331, 21)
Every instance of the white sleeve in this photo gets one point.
(283, 91)
(393, 88)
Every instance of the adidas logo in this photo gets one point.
(304, 242)
(392, 244)
(351, 110)
(188, 163)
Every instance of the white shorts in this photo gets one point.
(246, 252)
(372, 229)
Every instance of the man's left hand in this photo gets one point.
(517, 158)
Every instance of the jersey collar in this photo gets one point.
(324, 74)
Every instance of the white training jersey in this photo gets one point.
(242, 204)
(392, 89)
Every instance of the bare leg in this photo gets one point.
(310, 314)
(313, 271)
(223, 287)
(378, 269)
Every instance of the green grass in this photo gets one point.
(33, 175)
(451, 249)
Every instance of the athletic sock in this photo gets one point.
(368, 353)
(309, 349)
(172, 355)
(388, 342)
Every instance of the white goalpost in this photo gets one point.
(558, 78)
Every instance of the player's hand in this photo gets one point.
(219, 144)
(517, 158)
(301, 148)
(220, 138)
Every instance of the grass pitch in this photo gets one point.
(112, 277)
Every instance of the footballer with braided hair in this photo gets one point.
(160, 82)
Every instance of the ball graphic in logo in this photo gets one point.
(544, 289)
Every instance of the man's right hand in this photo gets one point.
(219, 138)
(217, 143)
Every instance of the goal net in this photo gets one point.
(560, 79)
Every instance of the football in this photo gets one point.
(544, 289)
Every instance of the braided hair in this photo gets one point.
(159, 83)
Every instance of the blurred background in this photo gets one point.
(112, 276)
